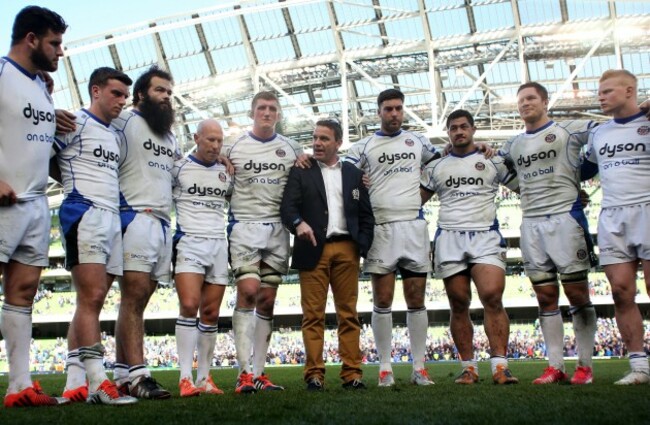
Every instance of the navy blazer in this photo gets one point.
(305, 199)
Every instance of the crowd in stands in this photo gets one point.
(525, 342)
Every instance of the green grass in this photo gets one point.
(444, 403)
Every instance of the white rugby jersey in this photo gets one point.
(261, 170)
(199, 193)
(466, 186)
(621, 148)
(146, 163)
(393, 164)
(547, 161)
(88, 159)
(27, 126)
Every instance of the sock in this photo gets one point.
(121, 374)
(243, 325)
(382, 329)
(417, 322)
(553, 331)
(16, 327)
(639, 361)
(93, 360)
(263, 328)
(496, 361)
(584, 327)
(205, 350)
(75, 370)
(185, 344)
(138, 372)
(467, 363)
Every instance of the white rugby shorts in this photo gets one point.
(147, 245)
(91, 235)
(624, 234)
(403, 244)
(251, 243)
(455, 250)
(556, 243)
(25, 232)
(206, 256)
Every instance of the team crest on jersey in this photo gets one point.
(281, 153)
(643, 130)
(409, 142)
(581, 254)
(479, 166)
(222, 177)
(550, 138)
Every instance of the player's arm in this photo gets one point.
(366, 220)
(645, 107)
(65, 121)
(303, 161)
(589, 165)
(230, 169)
(60, 142)
(425, 195)
(7, 194)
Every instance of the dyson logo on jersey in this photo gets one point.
(37, 116)
(263, 166)
(205, 191)
(457, 182)
(157, 149)
(527, 160)
(106, 156)
(610, 151)
(391, 158)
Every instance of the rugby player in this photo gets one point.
(201, 185)
(555, 239)
(259, 243)
(27, 126)
(469, 246)
(392, 158)
(88, 162)
(620, 150)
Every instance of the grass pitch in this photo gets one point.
(443, 403)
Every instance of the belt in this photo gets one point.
(338, 238)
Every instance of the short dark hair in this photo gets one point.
(266, 95)
(332, 125)
(389, 95)
(144, 81)
(540, 89)
(460, 113)
(38, 20)
(100, 77)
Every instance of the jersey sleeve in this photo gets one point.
(506, 172)
(504, 150)
(429, 152)
(427, 179)
(355, 155)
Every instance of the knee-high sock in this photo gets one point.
(263, 328)
(185, 344)
(382, 329)
(417, 322)
(584, 327)
(75, 370)
(93, 360)
(553, 331)
(16, 327)
(205, 350)
(243, 323)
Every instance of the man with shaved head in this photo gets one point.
(201, 185)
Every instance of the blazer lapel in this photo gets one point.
(317, 176)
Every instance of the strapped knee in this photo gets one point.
(575, 277)
(270, 278)
(543, 278)
(247, 272)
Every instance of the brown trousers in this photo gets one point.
(339, 268)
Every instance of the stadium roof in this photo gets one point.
(330, 58)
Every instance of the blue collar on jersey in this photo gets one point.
(260, 139)
(544, 127)
(198, 161)
(96, 118)
(20, 68)
(381, 133)
(463, 156)
(628, 119)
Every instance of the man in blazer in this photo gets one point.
(327, 208)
